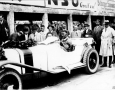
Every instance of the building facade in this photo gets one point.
(57, 10)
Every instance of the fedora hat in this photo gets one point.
(97, 21)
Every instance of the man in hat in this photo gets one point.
(97, 34)
(106, 50)
(87, 32)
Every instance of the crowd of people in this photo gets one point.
(103, 35)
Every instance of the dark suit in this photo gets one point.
(87, 32)
(97, 36)
(3, 33)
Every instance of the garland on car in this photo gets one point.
(15, 44)
(19, 44)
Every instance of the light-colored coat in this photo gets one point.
(106, 42)
(36, 37)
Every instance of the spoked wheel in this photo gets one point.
(91, 60)
(10, 80)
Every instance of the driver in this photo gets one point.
(65, 41)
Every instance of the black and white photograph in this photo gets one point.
(57, 44)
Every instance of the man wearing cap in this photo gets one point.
(97, 34)
(106, 50)
(87, 32)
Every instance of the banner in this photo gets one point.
(106, 7)
(72, 4)
(25, 2)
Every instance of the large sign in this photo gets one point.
(72, 4)
(26, 2)
(106, 7)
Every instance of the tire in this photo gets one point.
(91, 60)
(10, 80)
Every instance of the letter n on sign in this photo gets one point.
(54, 1)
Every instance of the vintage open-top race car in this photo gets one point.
(47, 56)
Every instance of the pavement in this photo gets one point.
(103, 79)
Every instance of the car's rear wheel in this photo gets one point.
(91, 60)
(10, 80)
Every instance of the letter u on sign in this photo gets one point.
(75, 3)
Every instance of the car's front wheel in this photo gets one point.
(91, 60)
(10, 80)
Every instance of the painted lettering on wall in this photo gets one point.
(88, 5)
(54, 1)
(65, 3)
(75, 3)
(106, 4)
(72, 4)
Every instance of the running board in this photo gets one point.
(67, 68)
(76, 65)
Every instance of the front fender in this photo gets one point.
(84, 50)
